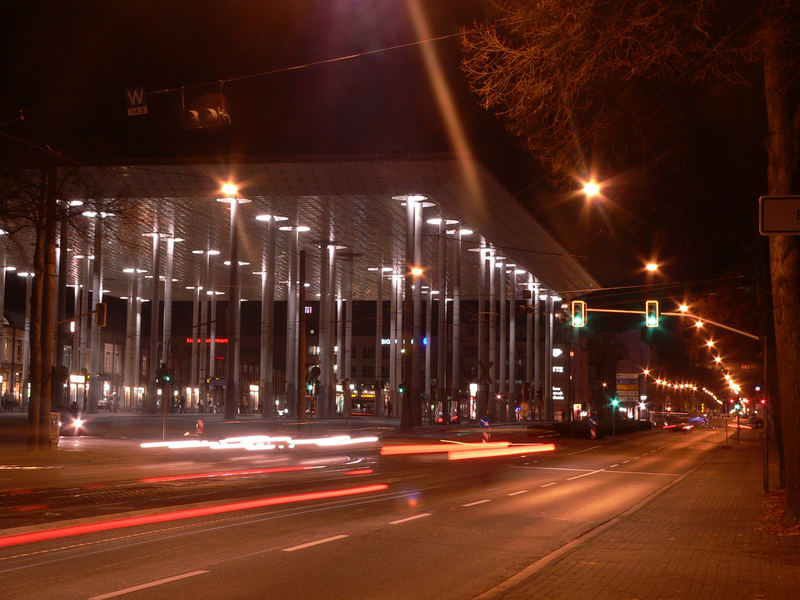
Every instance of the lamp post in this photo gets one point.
(234, 309)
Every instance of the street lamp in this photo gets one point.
(591, 189)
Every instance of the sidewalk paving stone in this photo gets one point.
(700, 539)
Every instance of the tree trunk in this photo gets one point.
(784, 265)
(48, 311)
(34, 400)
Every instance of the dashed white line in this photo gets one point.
(419, 516)
(315, 543)
(625, 462)
(144, 586)
(476, 503)
(517, 493)
(614, 465)
(549, 484)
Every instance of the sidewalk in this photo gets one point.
(700, 539)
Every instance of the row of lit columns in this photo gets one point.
(405, 298)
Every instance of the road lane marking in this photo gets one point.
(549, 484)
(625, 462)
(585, 474)
(144, 586)
(614, 465)
(475, 503)
(550, 468)
(316, 542)
(419, 516)
(584, 450)
(517, 493)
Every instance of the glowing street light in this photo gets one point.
(652, 267)
(683, 308)
(229, 189)
(591, 189)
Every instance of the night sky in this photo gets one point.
(688, 201)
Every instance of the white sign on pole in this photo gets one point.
(779, 215)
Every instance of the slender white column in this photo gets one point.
(291, 325)
(492, 314)
(428, 350)
(26, 339)
(155, 301)
(137, 339)
(129, 329)
(538, 394)
(340, 372)
(483, 354)
(456, 372)
(166, 334)
(331, 314)
(324, 333)
(379, 406)
(548, 361)
(502, 326)
(97, 350)
(393, 345)
(512, 342)
(348, 335)
(193, 377)
(266, 386)
(529, 342)
(212, 344)
(441, 333)
(85, 277)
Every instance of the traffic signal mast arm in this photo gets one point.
(715, 323)
(677, 314)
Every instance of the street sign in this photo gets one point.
(484, 422)
(779, 215)
(136, 101)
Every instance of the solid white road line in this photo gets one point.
(475, 503)
(144, 586)
(315, 543)
(584, 475)
(584, 450)
(517, 493)
(419, 516)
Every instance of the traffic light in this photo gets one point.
(100, 314)
(578, 313)
(615, 402)
(651, 312)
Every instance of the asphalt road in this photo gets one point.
(438, 529)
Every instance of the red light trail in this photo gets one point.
(191, 513)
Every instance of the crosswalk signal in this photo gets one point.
(101, 314)
(651, 313)
(578, 313)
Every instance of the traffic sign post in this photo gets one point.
(486, 433)
(593, 427)
(779, 215)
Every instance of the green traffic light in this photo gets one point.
(615, 402)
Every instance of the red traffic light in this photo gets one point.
(763, 401)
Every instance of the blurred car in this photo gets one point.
(71, 422)
(756, 422)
